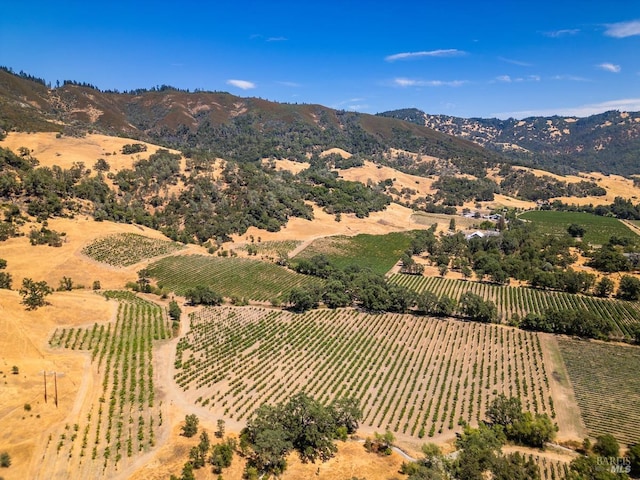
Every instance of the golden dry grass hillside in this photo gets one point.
(65, 151)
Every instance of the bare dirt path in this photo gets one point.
(568, 415)
(632, 226)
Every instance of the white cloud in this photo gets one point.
(277, 39)
(623, 29)
(408, 82)
(623, 105)
(451, 52)
(609, 67)
(562, 33)
(243, 84)
(504, 78)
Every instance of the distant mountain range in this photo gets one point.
(608, 142)
(235, 128)
(248, 129)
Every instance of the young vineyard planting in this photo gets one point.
(124, 249)
(623, 316)
(414, 375)
(230, 277)
(607, 386)
(122, 419)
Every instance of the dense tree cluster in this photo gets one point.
(479, 457)
(206, 208)
(532, 187)
(520, 427)
(203, 295)
(581, 323)
(620, 208)
(302, 424)
(456, 191)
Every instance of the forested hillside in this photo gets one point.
(221, 124)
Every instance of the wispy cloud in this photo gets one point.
(609, 67)
(623, 29)
(515, 62)
(243, 84)
(289, 84)
(509, 79)
(451, 52)
(353, 104)
(258, 36)
(623, 105)
(409, 82)
(570, 78)
(567, 32)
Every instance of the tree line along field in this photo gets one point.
(416, 376)
(607, 386)
(510, 301)
(125, 249)
(123, 417)
(377, 252)
(598, 229)
(230, 277)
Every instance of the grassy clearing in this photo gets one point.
(607, 386)
(598, 229)
(124, 249)
(377, 252)
(230, 277)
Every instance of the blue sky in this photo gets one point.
(466, 58)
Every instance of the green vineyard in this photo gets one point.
(621, 315)
(230, 277)
(122, 421)
(124, 249)
(416, 376)
(376, 252)
(605, 380)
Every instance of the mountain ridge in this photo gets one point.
(237, 128)
(608, 142)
